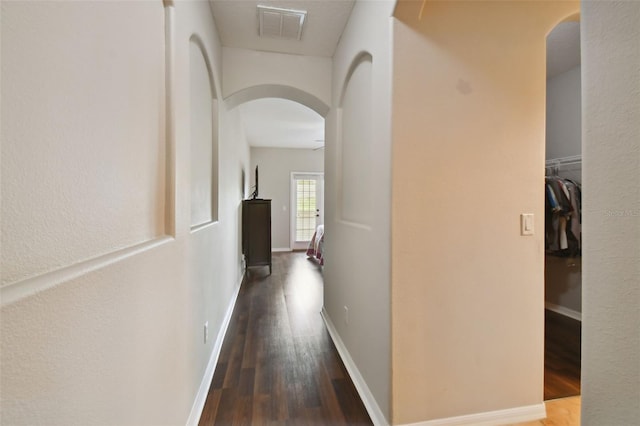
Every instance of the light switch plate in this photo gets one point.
(526, 224)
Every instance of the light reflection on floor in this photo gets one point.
(304, 283)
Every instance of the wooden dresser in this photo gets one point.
(256, 232)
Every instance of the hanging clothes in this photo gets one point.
(563, 216)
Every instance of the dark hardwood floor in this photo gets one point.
(561, 356)
(278, 365)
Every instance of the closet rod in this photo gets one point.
(564, 161)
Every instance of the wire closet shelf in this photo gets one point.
(552, 165)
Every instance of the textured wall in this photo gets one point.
(83, 152)
(468, 159)
(356, 270)
(118, 339)
(611, 214)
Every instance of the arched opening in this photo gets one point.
(285, 127)
(286, 141)
(277, 91)
(563, 234)
(285, 130)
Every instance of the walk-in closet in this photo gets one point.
(563, 213)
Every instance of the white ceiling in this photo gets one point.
(286, 124)
(563, 48)
(277, 122)
(237, 22)
(280, 123)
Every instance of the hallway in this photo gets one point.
(125, 159)
(278, 364)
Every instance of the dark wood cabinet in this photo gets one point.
(256, 232)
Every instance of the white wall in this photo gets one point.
(250, 75)
(54, 111)
(248, 68)
(563, 130)
(118, 338)
(356, 187)
(563, 277)
(611, 218)
(274, 168)
(204, 137)
(468, 159)
(357, 249)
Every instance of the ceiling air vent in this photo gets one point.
(280, 23)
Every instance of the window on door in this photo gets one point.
(306, 209)
(307, 201)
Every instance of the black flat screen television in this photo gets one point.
(254, 195)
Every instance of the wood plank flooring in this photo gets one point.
(560, 412)
(562, 354)
(278, 365)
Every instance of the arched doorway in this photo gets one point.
(563, 201)
(286, 140)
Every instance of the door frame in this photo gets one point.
(293, 244)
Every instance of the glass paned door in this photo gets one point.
(307, 214)
(306, 209)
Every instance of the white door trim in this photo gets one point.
(292, 206)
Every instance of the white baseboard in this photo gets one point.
(203, 391)
(279, 250)
(491, 418)
(563, 311)
(369, 401)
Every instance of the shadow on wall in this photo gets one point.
(277, 91)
